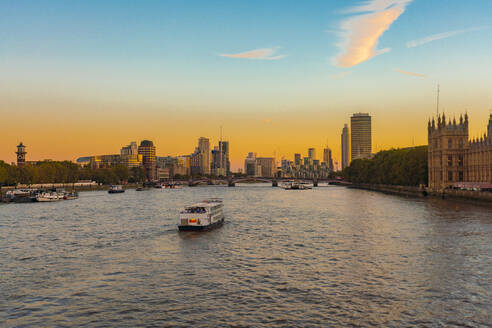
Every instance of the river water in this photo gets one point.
(330, 256)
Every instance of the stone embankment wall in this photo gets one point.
(390, 189)
(483, 196)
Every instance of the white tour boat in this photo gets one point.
(202, 216)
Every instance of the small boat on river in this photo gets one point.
(173, 186)
(202, 216)
(71, 195)
(115, 189)
(296, 186)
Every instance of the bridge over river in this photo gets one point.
(231, 181)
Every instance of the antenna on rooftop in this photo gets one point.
(221, 133)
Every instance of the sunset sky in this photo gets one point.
(81, 78)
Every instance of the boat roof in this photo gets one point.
(207, 203)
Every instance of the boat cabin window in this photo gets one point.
(196, 210)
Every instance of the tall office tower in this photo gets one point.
(204, 149)
(327, 159)
(196, 163)
(21, 155)
(147, 151)
(312, 153)
(361, 138)
(345, 146)
(215, 161)
(224, 151)
(297, 160)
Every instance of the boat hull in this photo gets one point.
(115, 191)
(24, 199)
(201, 227)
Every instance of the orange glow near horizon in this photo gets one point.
(57, 134)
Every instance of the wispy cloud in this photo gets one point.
(360, 33)
(409, 73)
(439, 36)
(264, 54)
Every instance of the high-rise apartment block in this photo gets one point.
(147, 151)
(361, 137)
(225, 162)
(297, 160)
(327, 159)
(345, 146)
(204, 150)
(216, 163)
(312, 153)
(220, 164)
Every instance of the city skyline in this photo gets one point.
(285, 74)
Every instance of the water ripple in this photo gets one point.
(324, 257)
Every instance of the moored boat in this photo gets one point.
(49, 197)
(202, 216)
(22, 195)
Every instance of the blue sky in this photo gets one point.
(192, 58)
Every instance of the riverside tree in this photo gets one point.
(405, 167)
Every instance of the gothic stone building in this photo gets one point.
(454, 159)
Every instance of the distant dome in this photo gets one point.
(146, 143)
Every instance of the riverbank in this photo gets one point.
(411, 191)
(66, 186)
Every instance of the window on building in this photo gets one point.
(450, 143)
(450, 160)
(435, 143)
(460, 143)
(450, 175)
(460, 176)
(460, 160)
